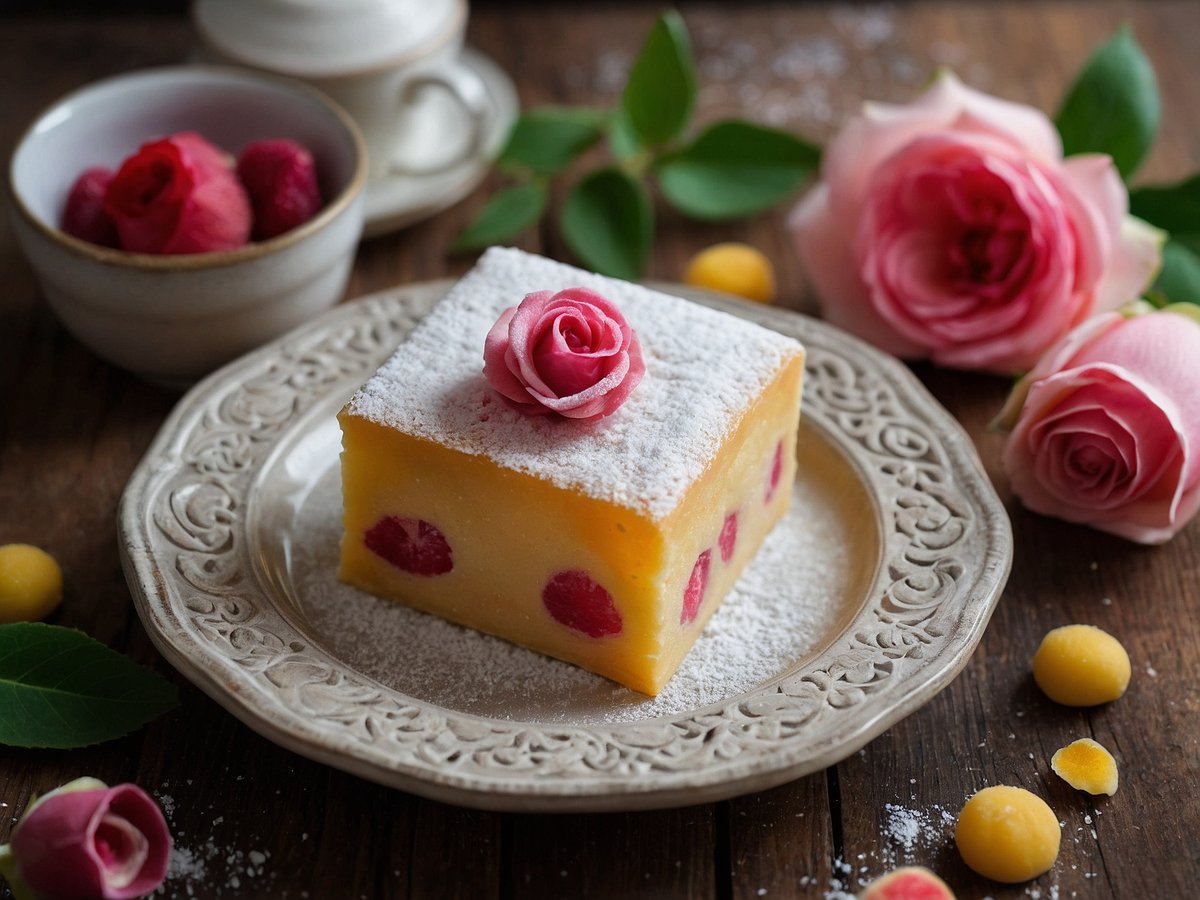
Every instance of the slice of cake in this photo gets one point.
(606, 541)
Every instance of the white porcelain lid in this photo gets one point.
(319, 38)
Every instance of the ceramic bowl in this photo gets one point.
(175, 318)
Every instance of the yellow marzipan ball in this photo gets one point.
(30, 583)
(731, 268)
(1081, 665)
(1007, 834)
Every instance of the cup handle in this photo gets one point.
(469, 91)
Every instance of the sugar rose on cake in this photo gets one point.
(576, 464)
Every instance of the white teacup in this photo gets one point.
(375, 58)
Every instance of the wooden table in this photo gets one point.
(252, 819)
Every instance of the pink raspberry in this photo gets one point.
(281, 179)
(776, 472)
(84, 216)
(412, 545)
(728, 539)
(693, 594)
(575, 600)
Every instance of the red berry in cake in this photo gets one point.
(908, 883)
(573, 599)
(728, 539)
(84, 216)
(693, 594)
(281, 179)
(776, 472)
(412, 545)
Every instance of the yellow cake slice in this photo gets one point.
(605, 543)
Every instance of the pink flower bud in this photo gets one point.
(86, 840)
(570, 353)
(179, 195)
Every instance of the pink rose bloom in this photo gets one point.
(1106, 427)
(87, 840)
(952, 228)
(179, 195)
(570, 353)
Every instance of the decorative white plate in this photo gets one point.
(863, 603)
(400, 200)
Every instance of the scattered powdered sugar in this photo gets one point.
(908, 829)
(703, 371)
(804, 582)
(218, 863)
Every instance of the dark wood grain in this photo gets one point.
(254, 820)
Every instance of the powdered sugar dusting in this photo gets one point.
(788, 604)
(703, 370)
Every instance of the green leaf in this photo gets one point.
(608, 223)
(60, 688)
(622, 139)
(661, 90)
(1114, 106)
(1174, 208)
(509, 212)
(734, 169)
(1179, 279)
(548, 140)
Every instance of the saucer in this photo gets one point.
(403, 199)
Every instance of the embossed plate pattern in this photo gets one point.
(191, 546)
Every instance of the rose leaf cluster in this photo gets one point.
(729, 170)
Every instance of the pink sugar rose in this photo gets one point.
(179, 195)
(570, 353)
(1106, 427)
(87, 840)
(952, 228)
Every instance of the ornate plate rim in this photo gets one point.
(947, 550)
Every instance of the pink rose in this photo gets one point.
(1106, 427)
(87, 840)
(179, 195)
(570, 353)
(953, 229)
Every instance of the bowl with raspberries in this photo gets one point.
(176, 218)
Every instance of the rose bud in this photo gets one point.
(952, 229)
(179, 195)
(1105, 430)
(84, 216)
(87, 840)
(281, 179)
(570, 353)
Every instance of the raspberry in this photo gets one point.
(776, 472)
(728, 539)
(412, 545)
(575, 600)
(281, 179)
(84, 216)
(693, 594)
(908, 883)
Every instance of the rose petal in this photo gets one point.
(829, 262)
